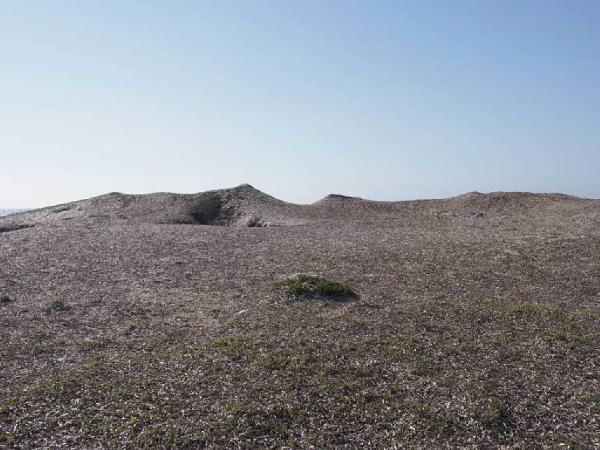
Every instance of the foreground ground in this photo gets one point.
(477, 324)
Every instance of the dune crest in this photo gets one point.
(246, 206)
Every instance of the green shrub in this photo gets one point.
(58, 305)
(4, 298)
(313, 286)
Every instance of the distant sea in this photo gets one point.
(5, 212)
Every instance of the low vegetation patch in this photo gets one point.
(4, 298)
(498, 418)
(230, 346)
(58, 306)
(313, 286)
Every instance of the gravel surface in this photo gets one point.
(152, 321)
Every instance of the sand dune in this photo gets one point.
(154, 321)
(246, 206)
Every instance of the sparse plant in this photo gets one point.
(230, 346)
(558, 335)
(313, 286)
(274, 362)
(4, 298)
(58, 305)
(131, 422)
(497, 417)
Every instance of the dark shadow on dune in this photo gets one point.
(207, 210)
(9, 228)
(212, 210)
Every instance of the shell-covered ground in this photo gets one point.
(154, 321)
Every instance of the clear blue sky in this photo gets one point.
(381, 99)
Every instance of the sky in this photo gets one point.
(387, 100)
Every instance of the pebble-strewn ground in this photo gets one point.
(133, 325)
